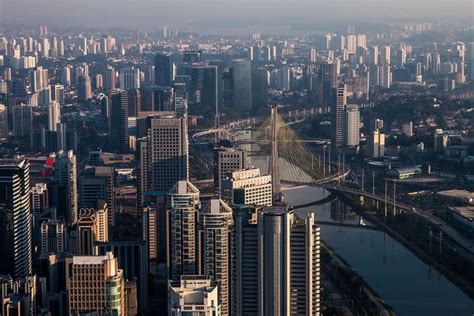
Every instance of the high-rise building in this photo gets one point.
(182, 208)
(65, 167)
(276, 267)
(240, 85)
(407, 129)
(57, 93)
(134, 102)
(132, 258)
(194, 295)
(247, 186)
(15, 219)
(3, 121)
(337, 111)
(215, 225)
(164, 70)
(119, 122)
(95, 284)
(54, 115)
(385, 75)
(374, 55)
(109, 78)
(385, 56)
(352, 126)
(22, 120)
(376, 144)
(84, 89)
(92, 226)
(328, 79)
(53, 237)
(180, 99)
(129, 78)
(150, 232)
(227, 160)
(166, 160)
(203, 87)
(97, 184)
(39, 198)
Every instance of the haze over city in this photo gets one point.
(227, 158)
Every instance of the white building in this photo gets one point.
(193, 295)
(249, 187)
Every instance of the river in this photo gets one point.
(405, 282)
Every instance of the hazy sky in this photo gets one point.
(221, 17)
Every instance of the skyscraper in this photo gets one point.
(95, 283)
(352, 126)
(54, 115)
(215, 225)
(129, 78)
(84, 89)
(97, 184)
(109, 78)
(182, 207)
(167, 152)
(227, 160)
(53, 237)
(15, 220)
(248, 187)
(337, 111)
(66, 175)
(92, 226)
(194, 295)
(119, 122)
(164, 69)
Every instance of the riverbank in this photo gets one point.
(365, 300)
(406, 231)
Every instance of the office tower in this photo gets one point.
(374, 78)
(376, 144)
(15, 220)
(182, 208)
(143, 168)
(242, 84)
(245, 300)
(109, 78)
(167, 143)
(193, 295)
(134, 102)
(129, 78)
(180, 99)
(284, 78)
(328, 77)
(22, 120)
(132, 258)
(260, 80)
(97, 184)
(247, 187)
(385, 55)
(149, 74)
(95, 284)
(92, 226)
(39, 198)
(215, 226)
(203, 87)
(374, 55)
(164, 69)
(276, 267)
(119, 122)
(131, 305)
(57, 93)
(84, 89)
(407, 129)
(267, 53)
(251, 53)
(66, 76)
(3, 121)
(53, 237)
(65, 168)
(385, 75)
(54, 115)
(351, 43)
(337, 111)
(352, 126)
(227, 160)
